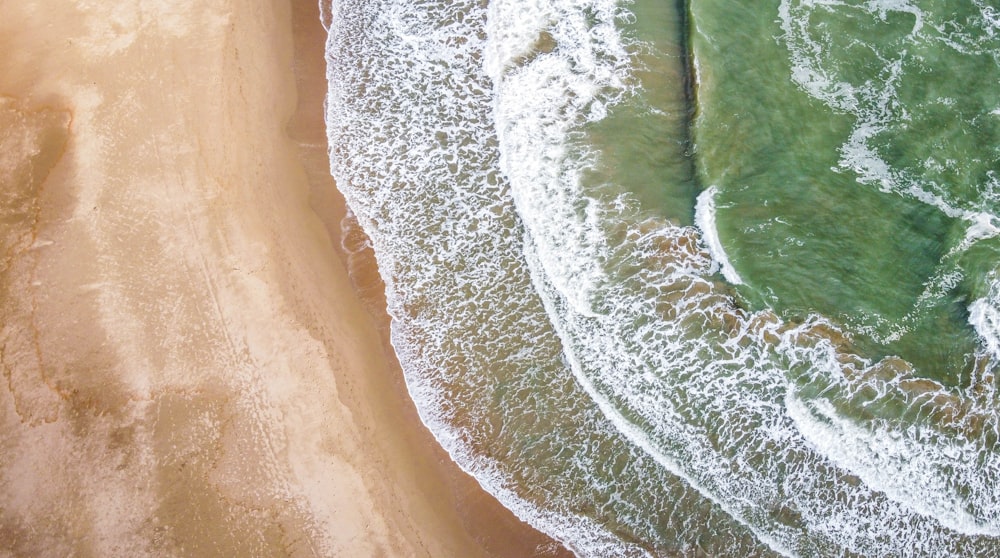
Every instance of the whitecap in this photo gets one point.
(705, 221)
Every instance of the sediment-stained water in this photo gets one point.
(680, 278)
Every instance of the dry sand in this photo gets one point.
(187, 369)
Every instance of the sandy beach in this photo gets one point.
(187, 366)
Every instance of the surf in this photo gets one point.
(558, 306)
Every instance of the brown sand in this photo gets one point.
(186, 368)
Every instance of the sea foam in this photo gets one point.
(705, 220)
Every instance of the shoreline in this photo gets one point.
(494, 527)
(187, 368)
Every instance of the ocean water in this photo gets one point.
(691, 278)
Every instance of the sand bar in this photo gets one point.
(187, 369)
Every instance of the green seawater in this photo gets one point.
(645, 139)
(809, 233)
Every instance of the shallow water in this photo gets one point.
(680, 278)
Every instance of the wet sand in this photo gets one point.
(187, 369)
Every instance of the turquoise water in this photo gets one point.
(691, 278)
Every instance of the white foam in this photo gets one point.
(982, 226)
(896, 465)
(883, 7)
(705, 220)
(514, 28)
(990, 15)
(984, 316)
(777, 542)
